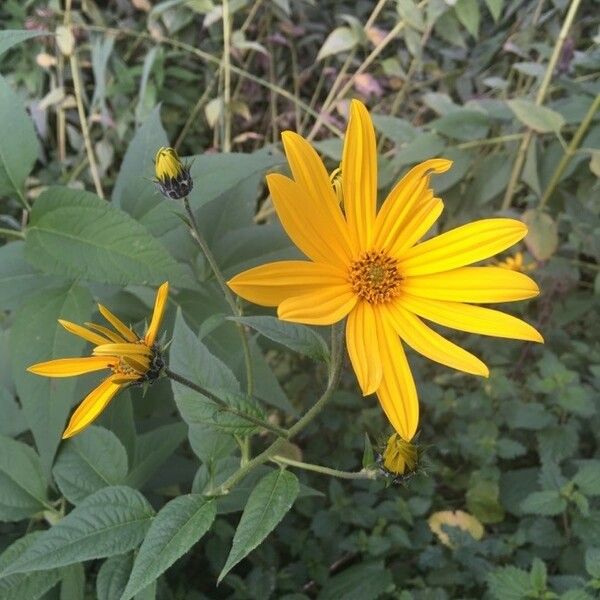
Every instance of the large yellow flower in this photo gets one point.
(129, 357)
(367, 266)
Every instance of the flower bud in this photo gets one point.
(173, 178)
(400, 458)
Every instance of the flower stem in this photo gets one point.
(224, 406)
(235, 309)
(362, 474)
(11, 234)
(335, 371)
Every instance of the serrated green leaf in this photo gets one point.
(546, 502)
(22, 482)
(18, 143)
(587, 479)
(113, 576)
(468, 14)
(29, 586)
(538, 118)
(366, 581)
(112, 521)
(268, 503)
(89, 462)
(538, 575)
(175, 529)
(36, 336)
(77, 234)
(298, 338)
(508, 583)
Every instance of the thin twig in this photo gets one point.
(226, 77)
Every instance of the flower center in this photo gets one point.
(374, 277)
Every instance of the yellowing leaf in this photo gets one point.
(457, 518)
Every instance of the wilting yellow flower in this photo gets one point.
(399, 457)
(173, 178)
(129, 357)
(458, 518)
(367, 266)
(515, 263)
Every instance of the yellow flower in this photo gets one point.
(173, 178)
(399, 457)
(367, 266)
(515, 263)
(129, 357)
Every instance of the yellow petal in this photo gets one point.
(397, 392)
(431, 344)
(363, 349)
(462, 246)
(140, 363)
(311, 175)
(108, 333)
(474, 319)
(91, 407)
(123, 378)
(417, 225)
(271, 284)
(403, 204)
(157, 314)
(117, 324)
(82, 332)
(70, 367)
(322, 306)
(473, 284)
(307, 227)
(359, 175)
(122, 350)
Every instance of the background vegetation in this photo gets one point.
(509, 90)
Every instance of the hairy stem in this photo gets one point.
(362, 474)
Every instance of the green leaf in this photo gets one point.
(174, 530)
(112, 521)
(546, 503)
(411, 14)
(366, 581)
(398, 130)
(22, 481)
(89, 462)
(268, 503)
(468, 14)
(495, 7)
(462, 124)
(341, 39)
(508, 583)
(483, 500)
(538, 575)
(587, 479)
(542, 237)
(73, 583)
(12, 422)
(112, 576)
(29, 586)
(76, 234)
(36, 336)
(152, 449)
(18, 143)
(18, 279)
(12, 37)
(538, 118)
(592, 562)
(298, 338)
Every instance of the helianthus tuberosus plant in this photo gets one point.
(370, 267)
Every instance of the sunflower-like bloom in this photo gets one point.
(130, 358)
(366, 265)
(516, 263)
(173, 178)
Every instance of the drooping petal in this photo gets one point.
(91, 407)
(82, 332)
(122, 350)
(157, 314)
(271, 284)
(363, 347)
(118, 324)
(108, 333)
(478, 285)
(403, 204)
(431, 344)
(310, 174)
(397, 393)
(359, 175)
(474, 319)
(462, 246)
(308, 228)
(322, 306)
(70, 367)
